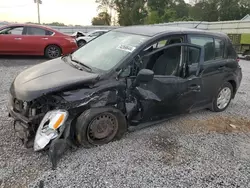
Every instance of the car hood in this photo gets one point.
(48, 77)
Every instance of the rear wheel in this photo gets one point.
(223, 98)
(53, 51)
(100, 126)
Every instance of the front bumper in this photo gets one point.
(25, 128)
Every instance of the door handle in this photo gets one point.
(195, 88)
(18, 38)
(45, 38)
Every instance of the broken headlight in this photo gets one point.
(49, 128)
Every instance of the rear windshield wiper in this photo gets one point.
(80, 63)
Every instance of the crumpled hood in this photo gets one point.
(48, 77)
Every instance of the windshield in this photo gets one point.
(108, 50)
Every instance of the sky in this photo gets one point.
(66, 11)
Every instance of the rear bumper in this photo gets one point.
(68, 50)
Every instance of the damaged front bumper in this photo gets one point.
(51, 133)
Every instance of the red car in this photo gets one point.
(28, 39)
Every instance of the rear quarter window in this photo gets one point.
(219, 45)
(231, 53)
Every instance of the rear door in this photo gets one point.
(214, 67)
(36, 39)
(11, 39)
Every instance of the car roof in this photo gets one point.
(32, 25)
(153, 30)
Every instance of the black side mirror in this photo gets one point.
(144, 76)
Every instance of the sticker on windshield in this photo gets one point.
(126, 48)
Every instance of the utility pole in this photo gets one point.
(38, 2)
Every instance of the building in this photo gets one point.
(247, 17)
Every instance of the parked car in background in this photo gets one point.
(29, 39)
(81, 41)
(78, 34)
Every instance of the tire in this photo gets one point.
(81, 43)
(53, 51)
(226, 92)
(248, 58)
(87, 121)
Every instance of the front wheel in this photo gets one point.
(223, 98)
(98, 126)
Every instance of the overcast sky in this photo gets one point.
(67, 11)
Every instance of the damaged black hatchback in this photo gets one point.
(124, 78)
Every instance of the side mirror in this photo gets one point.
(144, 76)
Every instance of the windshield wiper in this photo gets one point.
(80, 63)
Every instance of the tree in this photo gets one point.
(106, 6)
(229, 10)
(159, 5)
(205, 10)
(181, 8)
(131, 12)
(153, 18)
(103, 18)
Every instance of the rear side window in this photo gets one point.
(213, 47)
(207, 43)
(38, 31)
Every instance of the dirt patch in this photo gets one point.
(220, 124)
(167, 147)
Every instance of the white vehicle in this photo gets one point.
(81, 41)
(78, 34)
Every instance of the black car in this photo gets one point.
(126, 77)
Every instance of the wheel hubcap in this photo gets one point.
(103, 128)
(224, 98)
(53, 52)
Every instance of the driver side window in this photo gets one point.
(12, 31)
(165, 62)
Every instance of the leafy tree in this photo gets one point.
(103, 18)
(181, 8)
(131, 12)
(229, 10)
(153, 18)
(170, 15)
(159, 5)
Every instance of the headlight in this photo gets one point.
(49, 128)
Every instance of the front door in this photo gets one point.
(174, 88)
(11, 39)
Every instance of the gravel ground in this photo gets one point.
(195, 150)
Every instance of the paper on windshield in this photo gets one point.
(126, 48)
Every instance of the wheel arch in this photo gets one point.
(234, 85)
(87, 116)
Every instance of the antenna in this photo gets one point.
(198, 24)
